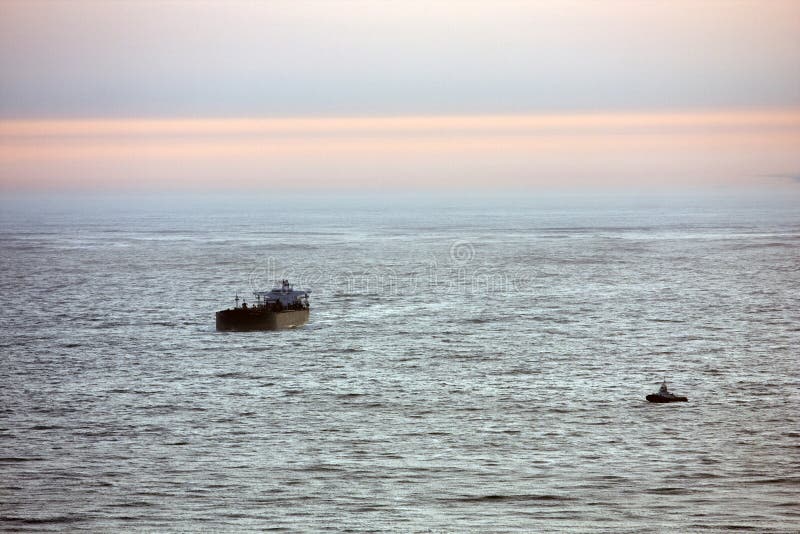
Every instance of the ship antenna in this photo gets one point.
(237, 299)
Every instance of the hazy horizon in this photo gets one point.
(634, 150)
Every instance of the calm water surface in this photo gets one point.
(471, 364)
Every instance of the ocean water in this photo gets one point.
(471, 364)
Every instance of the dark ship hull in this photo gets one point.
(655, 397)
(243, 319)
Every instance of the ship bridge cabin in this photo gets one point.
(283, 297)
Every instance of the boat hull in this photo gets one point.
(655, 397)
(240, 319)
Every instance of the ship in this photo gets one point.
(281, 307)
(663, 395)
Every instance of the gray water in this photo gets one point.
(471, 364)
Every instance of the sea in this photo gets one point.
(474, 362)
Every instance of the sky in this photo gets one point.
(201, 95)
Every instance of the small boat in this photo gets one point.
(665, 396)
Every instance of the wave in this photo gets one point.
(492, 498)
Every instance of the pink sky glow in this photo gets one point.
(715, 148)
